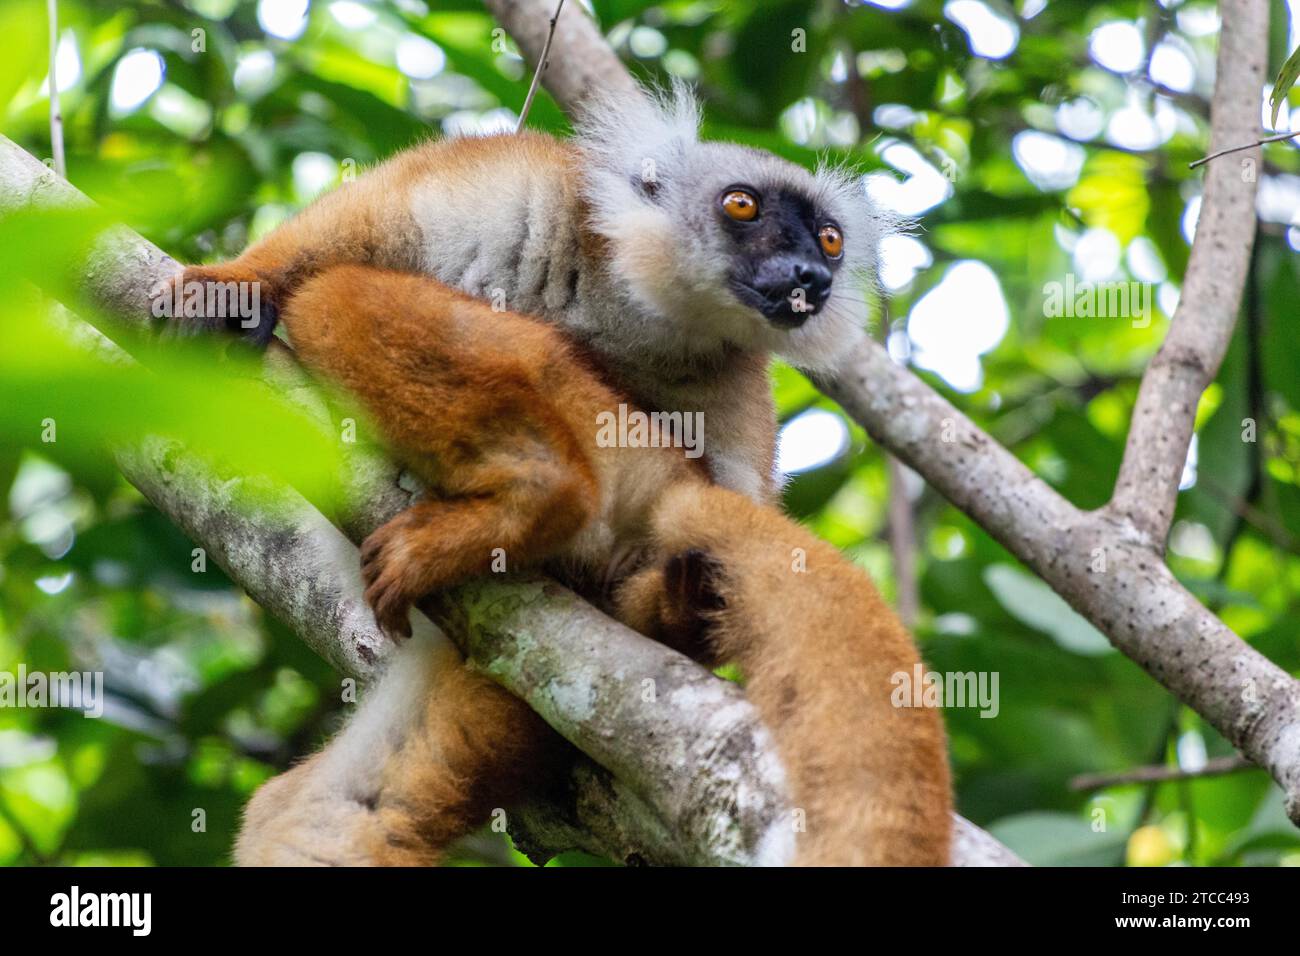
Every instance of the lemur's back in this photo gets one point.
(494, 216)
(509, 219)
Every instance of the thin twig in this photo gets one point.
(537, 73)
(56, 114)
(1248, 512)
(1214, 767)
(1237, 149)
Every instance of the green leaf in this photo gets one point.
(1059, 839)
(1031, 601)
(1286, 78)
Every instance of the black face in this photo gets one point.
(785, 254)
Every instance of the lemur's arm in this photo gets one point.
(366, 222)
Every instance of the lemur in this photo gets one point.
(678, 265)
(497, 414)
(681, 264)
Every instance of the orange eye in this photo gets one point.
(832, 241)
(740, 205)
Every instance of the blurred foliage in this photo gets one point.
(192, 123)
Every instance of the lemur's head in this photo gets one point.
(727, 245)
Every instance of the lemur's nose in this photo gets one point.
(815, 279)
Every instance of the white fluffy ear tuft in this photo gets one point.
(620, 132)
(632, 145)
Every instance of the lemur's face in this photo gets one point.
(775, 256)
(784, 251)
(725, 246)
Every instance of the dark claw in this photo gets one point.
(390, 607)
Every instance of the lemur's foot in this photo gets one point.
(391, 570)
(218, 299)
(676, 603)
(693, 588)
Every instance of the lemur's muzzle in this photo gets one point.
(792, 289)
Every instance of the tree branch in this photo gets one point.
(1187, 362)
(901, 518)
(56, 114)
(694, 776)
(541, 66)
(586, 65)
(1214, 767)
(1279, 138)
(1106, 564)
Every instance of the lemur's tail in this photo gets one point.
(820, 652)
(433, 749)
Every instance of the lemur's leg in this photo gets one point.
(441, 746)
(506, 472)
(674, 603)
(222, 298)
(434, 749)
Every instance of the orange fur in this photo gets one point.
(497, 413)
(817, 646)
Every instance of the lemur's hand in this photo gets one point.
(220, 298)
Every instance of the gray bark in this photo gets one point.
(1109, 564)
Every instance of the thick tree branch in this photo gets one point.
(1103, 563)
(1108, 565)
(694, 776)
(1187, 362)
(583, 63)
(901, 522)
(683, 741)
(1098, 563)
